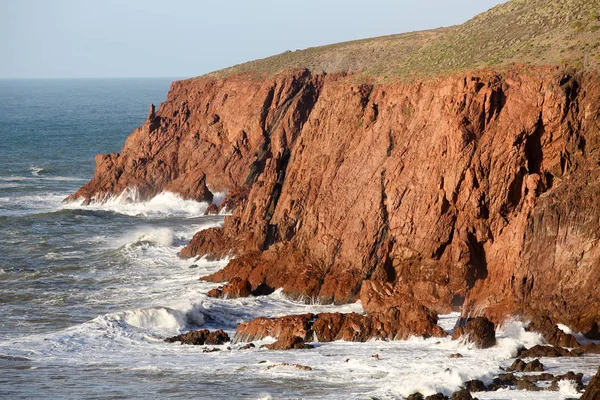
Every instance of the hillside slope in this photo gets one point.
(476, 188)
(535, 32)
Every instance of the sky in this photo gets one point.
(186, 38)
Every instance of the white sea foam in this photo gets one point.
(163, 204)
(35, 171)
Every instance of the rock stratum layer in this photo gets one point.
(479, 190)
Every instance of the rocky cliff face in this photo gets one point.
(478, 191)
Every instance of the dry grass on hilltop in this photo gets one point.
(536, 32)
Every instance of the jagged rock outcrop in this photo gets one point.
(551, 333)
(480, 331)
(592, 391)
(327, 327)
(478, 190)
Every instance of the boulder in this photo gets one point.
(480, 331)
(522, 366)
(288, 342)
(462, 394)
(475, 386)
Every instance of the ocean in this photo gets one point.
(88, 293)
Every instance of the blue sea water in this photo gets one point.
(88, 293)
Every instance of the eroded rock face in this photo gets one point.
(232, 290)
(394, 324)
(551, 333)
(480, 331)
(592, 391)
(478, 190)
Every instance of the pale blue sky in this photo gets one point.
(184, 38)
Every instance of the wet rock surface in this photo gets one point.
(236, 288)
(201, 337)
(480, 331)
(551, 333)
(592, 391)
(288, 342)
(327, 327)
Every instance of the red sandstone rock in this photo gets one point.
(393, 324)
(234, 289)
(592, 391)
(288, 342)
(212, 209)
(551, 333)
(480, 331)
(259, 328)
(236, 197)
(480, 188)
(213, 243)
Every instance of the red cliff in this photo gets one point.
(481, 187)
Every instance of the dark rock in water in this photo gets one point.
(217, 337)
(437, 396)
(455, 355)
(462, 394)
(502, 381)
(201, 337)
(475, 386)
(592, 392)
(416, 396)
(546, 351)
(551, 333)
(538, 378)
(297, 366)
(521, 366)
(569, 376)
(248, 346)
(288, 342)
(212, 209)
(207, 350)
(480, 330)
(526, 385)
(593, 333)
